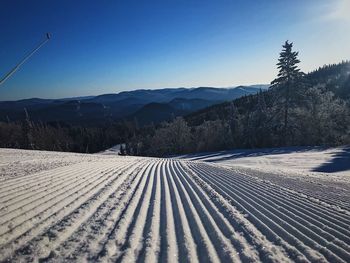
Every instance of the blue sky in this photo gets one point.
(109, 46)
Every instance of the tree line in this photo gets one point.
(297, 110)
(59, 136)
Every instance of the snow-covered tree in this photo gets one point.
(286, 82)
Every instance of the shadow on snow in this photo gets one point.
(240, 153)
(340, 162)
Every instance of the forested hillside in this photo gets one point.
(93, 124)
(298, 109)
(95, 111)
(62, 137)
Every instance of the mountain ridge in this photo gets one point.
(117, 106)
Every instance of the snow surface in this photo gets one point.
(113, 150)
(108, 208)
(296, 160)
(318, 171)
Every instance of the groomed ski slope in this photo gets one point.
(123, 209)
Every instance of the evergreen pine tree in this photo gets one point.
(288, 76)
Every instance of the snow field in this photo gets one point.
(126, 209)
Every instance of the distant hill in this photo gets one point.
(157, 112)
(166, 95)
(335, 78)
(92, 110)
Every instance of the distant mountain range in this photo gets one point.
(143, 105)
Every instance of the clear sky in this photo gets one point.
(109, 46)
